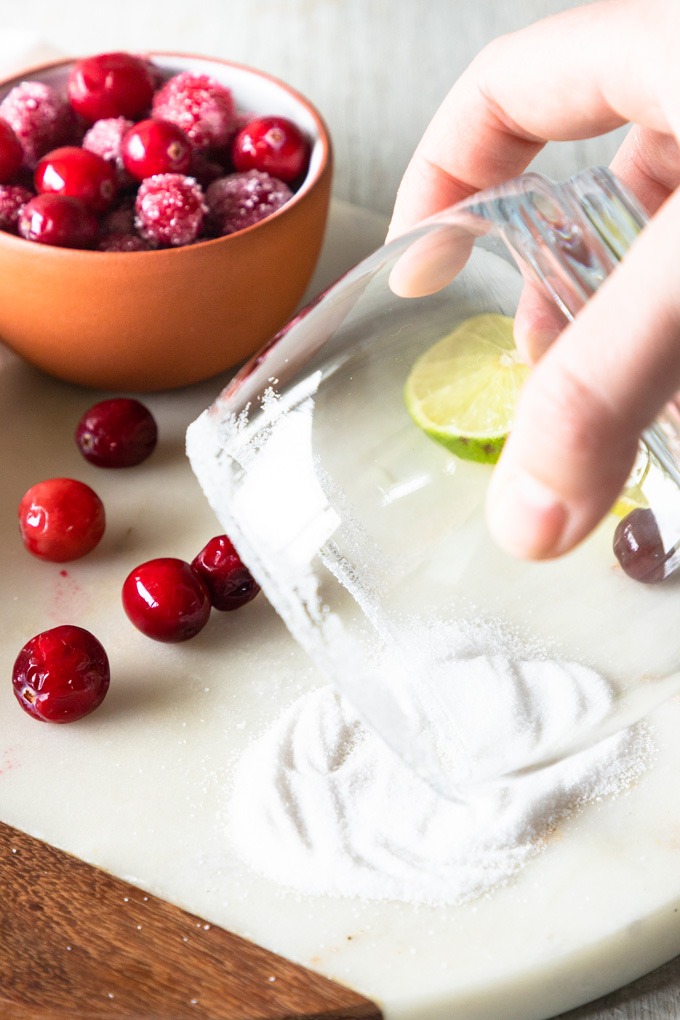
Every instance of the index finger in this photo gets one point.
(574, 75)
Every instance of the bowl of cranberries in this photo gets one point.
(160, 215)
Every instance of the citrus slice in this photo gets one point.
(462, 391)
(632, 496)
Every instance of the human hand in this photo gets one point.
(599, 383)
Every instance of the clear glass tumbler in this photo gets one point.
(370, 540)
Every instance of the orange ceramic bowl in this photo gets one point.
(155, 320)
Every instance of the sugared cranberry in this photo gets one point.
(61, 519)
(11, 153)
(206, 170)
(40, 118)
(273, 144)
(58, 220)
(115, 433)
(200, 105)
(243, 199)
(110, 85)
(61, 674)
(123, 243)
(120, 219)
(227, 579)
(12, 200)
(170, 210)
(155, 147)
(166, 599)
(104, 139)
(639, 548)
(77, 173)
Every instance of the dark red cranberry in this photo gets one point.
(227, 579)
(274, 145)
(61, 674)
(58, 220)
(77, 173)
(166, 599)
(639, 548)
(11, 153)
(61, 519)
(155, 147)
(116, 433)
(110, 85)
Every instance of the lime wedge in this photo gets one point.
(462, 391)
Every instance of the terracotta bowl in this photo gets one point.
(161, 319)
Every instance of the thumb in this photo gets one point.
(583, 408)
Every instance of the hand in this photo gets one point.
(603, 379)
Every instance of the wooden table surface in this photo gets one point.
(377, 69)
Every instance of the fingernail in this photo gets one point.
(525, 517)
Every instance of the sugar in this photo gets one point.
(321, 805)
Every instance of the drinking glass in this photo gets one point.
(369, 538)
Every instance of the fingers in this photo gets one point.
(590, 396)
(560, 78)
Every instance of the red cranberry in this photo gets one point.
(272, 144)
(11, 153)
(200, 105)
(227, 579)
(58, 220)
(120, 432)
(110, 85)
(77, 173)
(61, 519)
(155, 147)
(166, 599)
(639, 548)
(170, 210)
(61, 674)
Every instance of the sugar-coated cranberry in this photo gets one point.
(227, 579)
(121, 218)
(123, 243)
(206, 170)
(58, 220)
(639, 548)
(170, 209)
(104, 138)
(39, 116)
(242, 199)
(61, 674)
(155, 147)
(77, 173)
(200, 105)
(13, 197)
(61, 519)
(110, 85)
(115, 433)
(166, 599)
(273, 144)
(11, 153)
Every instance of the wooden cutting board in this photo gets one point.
(77, 942)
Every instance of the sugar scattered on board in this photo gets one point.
(321, 805)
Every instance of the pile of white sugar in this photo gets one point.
(321, 805)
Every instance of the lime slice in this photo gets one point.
(632, 497)
(462, 391)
